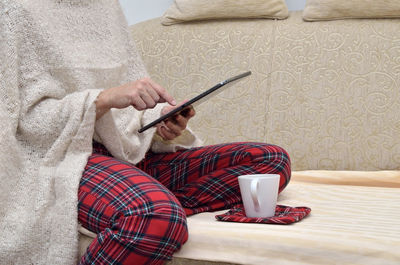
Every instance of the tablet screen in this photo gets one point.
(198, 99)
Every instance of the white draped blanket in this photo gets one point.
(56, 56)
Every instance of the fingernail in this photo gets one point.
(173, 102)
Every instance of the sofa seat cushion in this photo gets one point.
(353, 223)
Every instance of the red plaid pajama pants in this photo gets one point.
(139, 211)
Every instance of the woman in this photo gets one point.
(74, 93)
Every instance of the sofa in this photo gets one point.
(329, 93)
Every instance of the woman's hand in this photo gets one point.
(141, 94)
(173, 127)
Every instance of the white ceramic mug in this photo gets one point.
(259, 194)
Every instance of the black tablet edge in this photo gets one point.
(193, 100)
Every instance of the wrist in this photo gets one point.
(101, 105)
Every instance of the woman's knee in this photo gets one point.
(172, 223)
(284, 167)
(162, 228)
(271, 159)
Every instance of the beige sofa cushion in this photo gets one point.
(349, 224)
(189, 10)
(341, 9)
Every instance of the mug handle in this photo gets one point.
(254, 187)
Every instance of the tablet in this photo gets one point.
(198, 99)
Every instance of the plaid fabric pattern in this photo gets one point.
(137, 220)
(283, 215)
(205, 178)
(139, 211)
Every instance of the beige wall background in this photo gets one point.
(139, 10)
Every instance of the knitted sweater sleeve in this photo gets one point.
(43, 113)
(39, 139)
(9, 95)
(10, 161)
(123, 139)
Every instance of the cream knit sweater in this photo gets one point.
(55, 57)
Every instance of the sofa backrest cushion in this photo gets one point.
(327, 92)
(342, 9)
(189, 10)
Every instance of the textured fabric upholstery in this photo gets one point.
(341, 9)
(190, 10)
(328, 92)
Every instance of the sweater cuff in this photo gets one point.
(185, 141)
